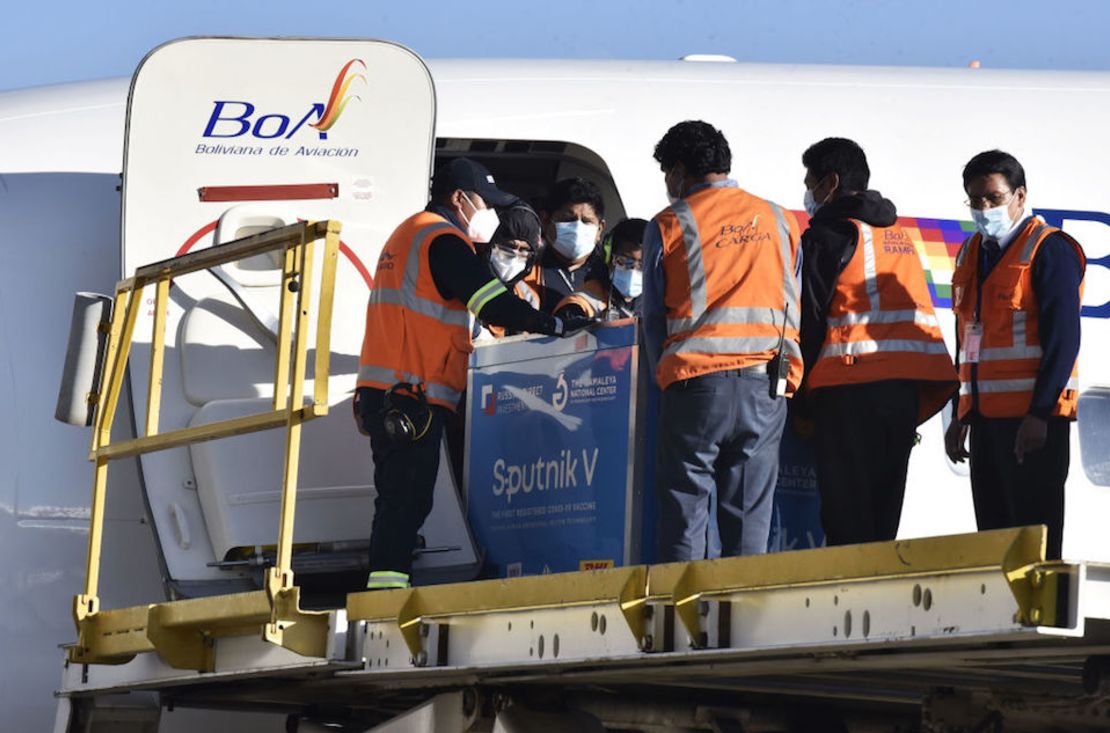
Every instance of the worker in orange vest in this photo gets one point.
(428, 286)
(720, 317)
(876, 365)
(1017, 293)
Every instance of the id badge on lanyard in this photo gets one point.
(972, 342)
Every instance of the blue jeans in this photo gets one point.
(719, 438)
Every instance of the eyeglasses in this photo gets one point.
(990, 200)
(514, 248)
(627, 263)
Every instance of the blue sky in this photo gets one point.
(68, 40)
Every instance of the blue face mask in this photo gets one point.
(575, 239)
(628, 282)
(810, 203)
(993, 223)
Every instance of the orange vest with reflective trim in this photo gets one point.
(413, 334)
(881, 323)
(728, 264)
(1010, 346)
(593, 299)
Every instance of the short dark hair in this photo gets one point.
(700, 146)
(841, 156)
(628, 235)
(575, 191)
(995, 161)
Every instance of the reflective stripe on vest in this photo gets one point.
(1011, 385)
(691, 238)
(434, 390)
(885, 345)
(483, 295)
(700, 316)
(720, 316)
(870, 279)
(731, 345)
(884, 317)
(402, 296)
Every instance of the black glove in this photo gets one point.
(570, 310)
(572, 324)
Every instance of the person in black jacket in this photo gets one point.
(877, 366)
(573, 218)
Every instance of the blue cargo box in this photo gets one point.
(560, 456)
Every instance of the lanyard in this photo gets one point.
(569, 283)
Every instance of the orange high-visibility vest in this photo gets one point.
(527, 293)
(728, 262)
(592, 298)
(414, 334)
(881, 323)
(1010, 347)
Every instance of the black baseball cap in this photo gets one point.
(470, 175)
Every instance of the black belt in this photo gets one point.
(758, 369)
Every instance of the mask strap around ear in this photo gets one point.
(828, 197)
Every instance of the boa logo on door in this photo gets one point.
(237, 118)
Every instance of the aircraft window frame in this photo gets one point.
(1094, 434)
(570, 159)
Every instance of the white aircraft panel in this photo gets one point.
(215, 128)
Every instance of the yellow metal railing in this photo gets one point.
(182, 633)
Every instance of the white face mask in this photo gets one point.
(993, 223)
(505, 265)
(482, 224)
(629, 282)
(575, 239)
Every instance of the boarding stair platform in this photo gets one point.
(947, 633)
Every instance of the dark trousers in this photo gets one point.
(719, 435)
(404, 478)
(1007, 494)
(863, 438)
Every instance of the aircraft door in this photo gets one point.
(227, 137)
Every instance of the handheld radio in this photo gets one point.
(779, 366)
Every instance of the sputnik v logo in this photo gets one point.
(560, 393)
(236, 118)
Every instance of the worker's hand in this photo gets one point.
(955, 442)
(358, 414)
(1031, 436)
(573, 324)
